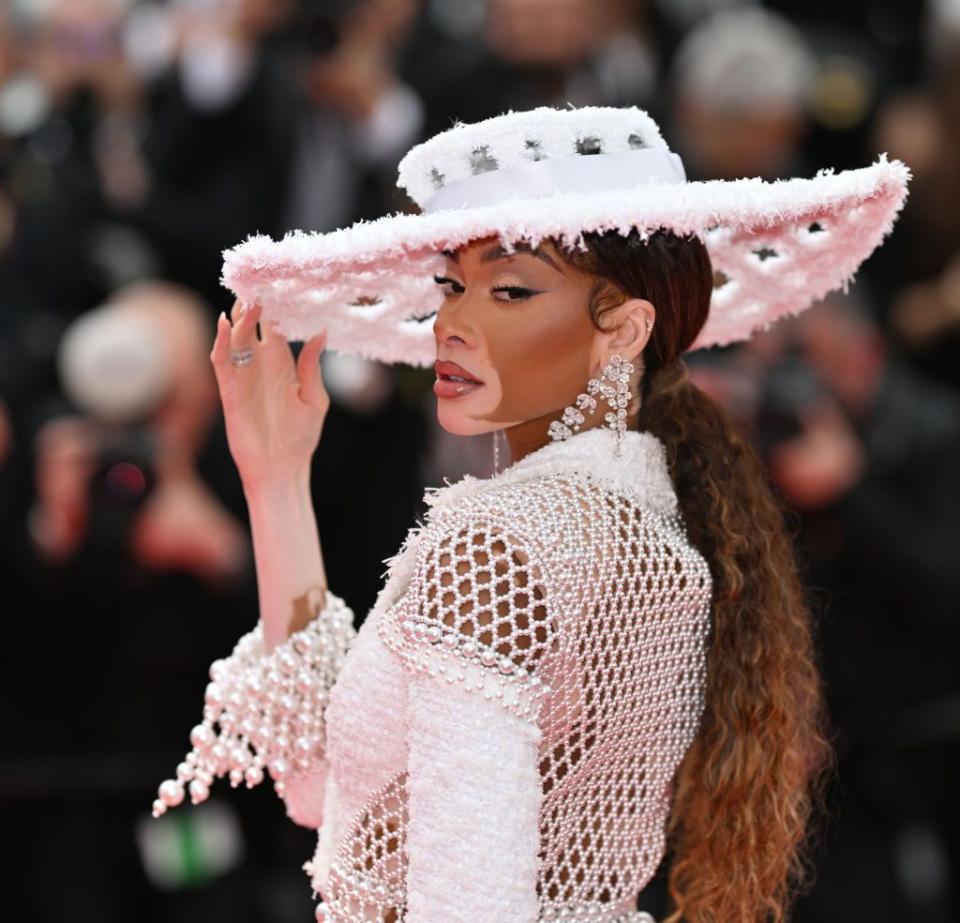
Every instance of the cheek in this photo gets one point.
(542, 361)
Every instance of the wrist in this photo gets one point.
(277, 488)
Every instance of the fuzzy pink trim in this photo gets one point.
(306, 280)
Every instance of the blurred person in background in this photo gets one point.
(474, 60)
(220, 131)
(919, 285)
(357, 117)
(739, 88)
(71, 110)
(124, 471)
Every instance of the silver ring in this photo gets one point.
(241, 357)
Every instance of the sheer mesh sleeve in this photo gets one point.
(476, 632)
(479, 615)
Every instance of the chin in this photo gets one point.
(458, 423)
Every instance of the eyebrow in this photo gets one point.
(497, 252)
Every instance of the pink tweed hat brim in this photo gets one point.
(776, 248)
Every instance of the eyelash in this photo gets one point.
(445, 280)
(517, 292)
(522, 294)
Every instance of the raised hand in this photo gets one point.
(274, 407)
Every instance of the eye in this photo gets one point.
(450, 286)
(514, 292)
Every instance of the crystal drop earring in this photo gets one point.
(613, 386)
(496, 451)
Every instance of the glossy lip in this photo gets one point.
(444, 368)
(446, 388)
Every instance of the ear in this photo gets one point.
(632, 324)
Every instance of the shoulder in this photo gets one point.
(565, 478)
(562, 508)
(479, 609)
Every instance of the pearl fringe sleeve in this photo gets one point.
(264, 713)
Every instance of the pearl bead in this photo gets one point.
(171, 793)
(201, 736)
(214, 694)
(199, 791)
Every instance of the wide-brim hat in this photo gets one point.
(776, 247)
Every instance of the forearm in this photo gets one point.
(291, 581)
(264, 711)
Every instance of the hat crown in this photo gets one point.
(519, 138)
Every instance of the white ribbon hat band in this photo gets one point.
(580, 173)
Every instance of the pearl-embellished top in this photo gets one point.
(501, 736)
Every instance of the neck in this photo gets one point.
(531, 435)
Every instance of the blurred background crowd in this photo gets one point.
(139, 139)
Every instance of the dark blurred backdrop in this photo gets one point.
(139, 139)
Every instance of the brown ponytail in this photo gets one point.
(755, 774)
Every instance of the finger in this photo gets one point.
(220, 354)
(236, 311)
(273, 343)
(312, 389)
(244, 332)
(265, 326)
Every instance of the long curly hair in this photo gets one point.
(739, 834)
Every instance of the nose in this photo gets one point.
(450, 327)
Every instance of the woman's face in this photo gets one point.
(519, 325)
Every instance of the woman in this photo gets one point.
(598, 654)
